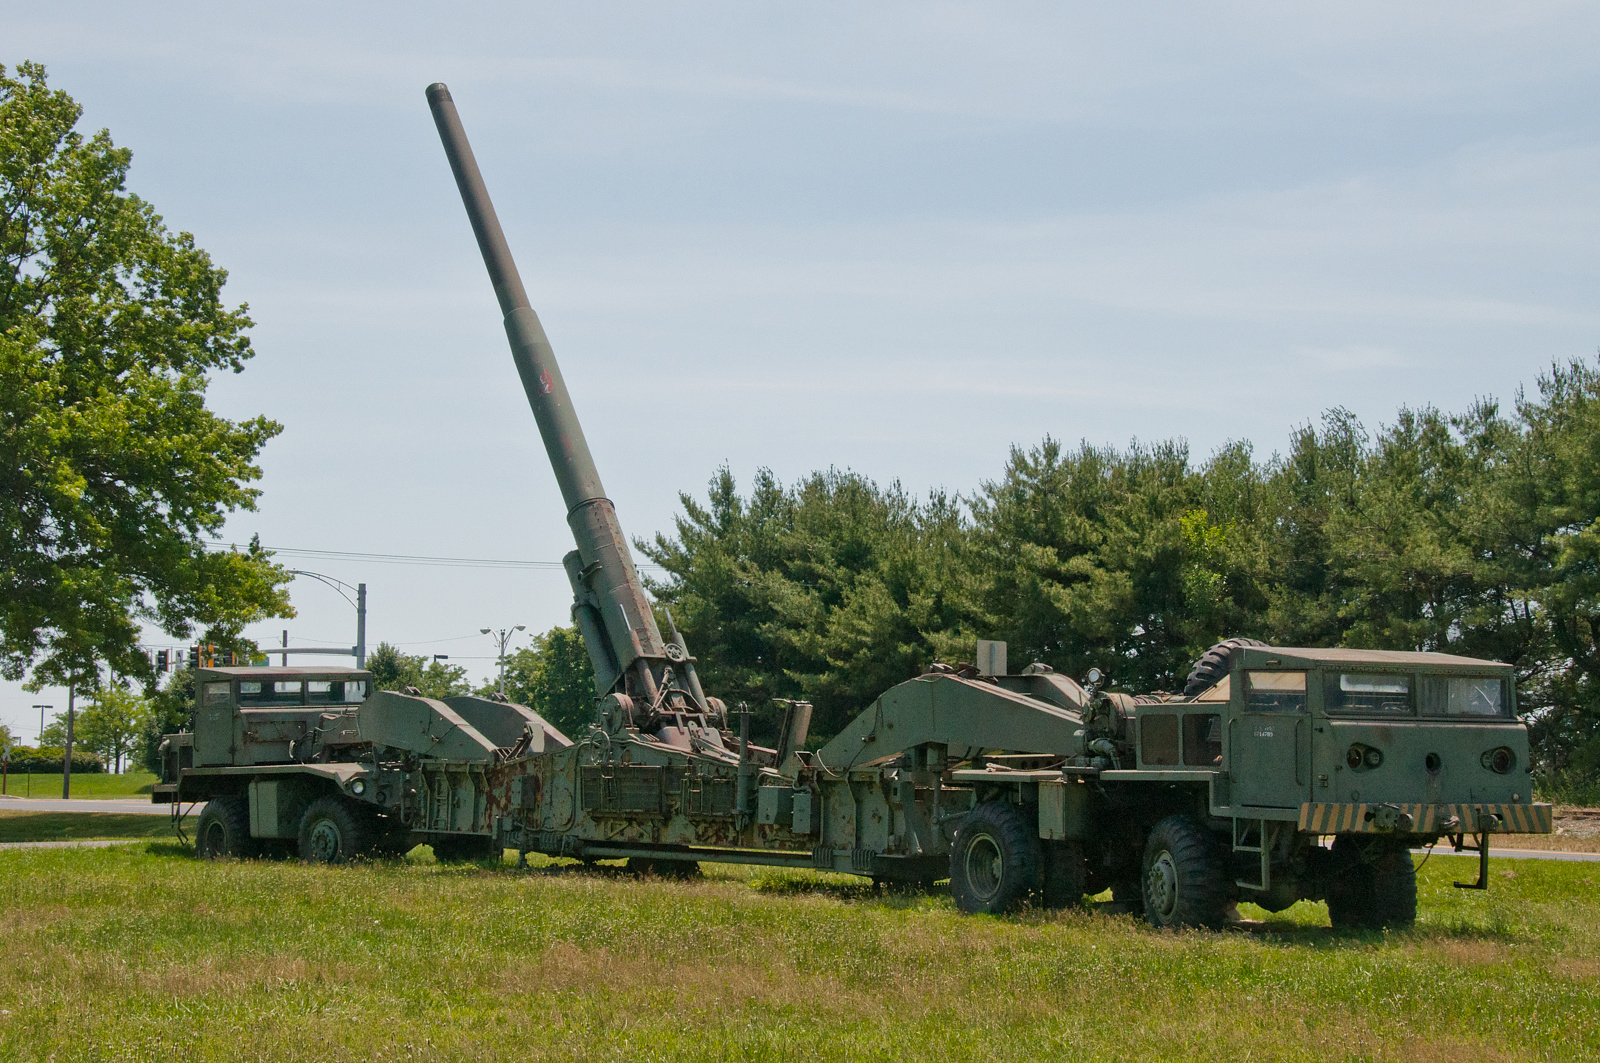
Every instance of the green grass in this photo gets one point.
(74, 826)
(141, 953)
(97, 785)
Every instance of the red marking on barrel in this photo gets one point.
(544, 383)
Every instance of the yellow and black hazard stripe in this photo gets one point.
(1321, 817)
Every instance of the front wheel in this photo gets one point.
(224, 829)
(331, 832)
(1374, 885)
(1185, 880)
(994, 863)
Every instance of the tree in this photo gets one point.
(554, 678)
(831, 589)
(393, 670)
(171, 711)
(113, 472)
(112, 725)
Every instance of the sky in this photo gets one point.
(894, 238)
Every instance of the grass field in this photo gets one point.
(97, 785)
(141, 953)
(73, 826)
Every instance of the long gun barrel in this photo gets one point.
(618, 627)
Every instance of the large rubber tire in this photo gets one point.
(995, 861)
(1065, 874)
(1373, 886)
(332, 832)
(1213, 665)
(1185, 882)
(681, 870)
(391, 838)
(224, 829)
(463, 848)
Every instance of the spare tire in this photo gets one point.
(1213, 665)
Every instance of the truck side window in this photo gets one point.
(218, 693)
(1353, 692)
(1202, 739)
(336, 691)
(1463, 696)
(1158, 739)
(1276, 692)
(268, 692)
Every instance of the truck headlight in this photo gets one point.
(358, 787)
(1500, 760)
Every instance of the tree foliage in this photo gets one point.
(393, 670)
(1475, 534)
(112, 470)
(554, 678)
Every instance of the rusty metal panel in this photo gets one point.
(774, 804)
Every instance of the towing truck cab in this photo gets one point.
(1377, 740)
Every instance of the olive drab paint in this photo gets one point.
(1018, 785)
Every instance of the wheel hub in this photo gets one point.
(216, 838)
(326, 842)
(1161, 886)
(985, 866)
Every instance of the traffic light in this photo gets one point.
(162, 661)
(194, 657)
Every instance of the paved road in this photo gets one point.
(1518, 854)
(136, 806)
(48, 804)
(94, 844)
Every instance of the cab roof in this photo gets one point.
(1355, 656)
(258, 672)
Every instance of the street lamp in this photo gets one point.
(42, 710)
(503, 636)
(360, 604)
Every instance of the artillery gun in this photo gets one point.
(1026, 786)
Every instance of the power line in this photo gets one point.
(408, 559)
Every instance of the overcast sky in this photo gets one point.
(898, 239)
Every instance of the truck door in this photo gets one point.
(1269, 741)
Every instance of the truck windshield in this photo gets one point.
(1353, 692)
(1463, 696)
(336, 691)
(269, 692)
(1276, 692)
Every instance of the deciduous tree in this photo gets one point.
(113, 473)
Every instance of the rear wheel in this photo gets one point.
(463, 848)
(1066, 874)
(661, 868)
(391, 837)
(331, 832)
(1374, 885)
(1185, 878)
(994, 863)
(224, 829)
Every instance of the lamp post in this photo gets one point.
(503, 636)
(360, 605)
(42, 710)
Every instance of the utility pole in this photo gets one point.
(361, 625)
(66, 758)
(285, 661)
(503, 636)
